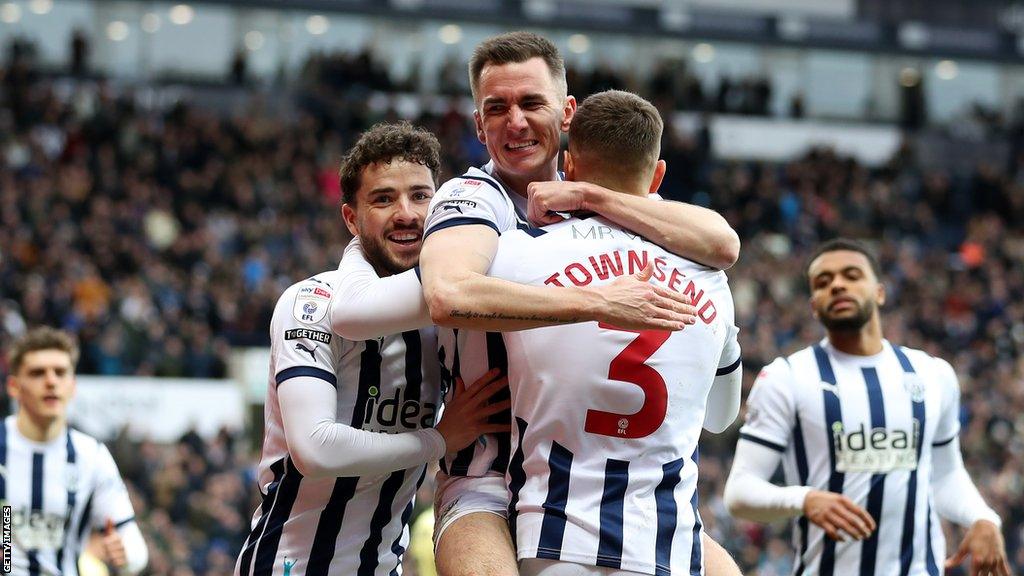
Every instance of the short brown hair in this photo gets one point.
(41, 338)
(386, 142)
(513, 48)
(618, 129)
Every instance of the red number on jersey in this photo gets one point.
(629, 366)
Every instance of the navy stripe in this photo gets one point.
(800, 451)
(696, 557)
(245, 561)
(311, 371)
(396, 547)
(909, 511)
(462, 460)
(763, 442)
(833, 418)
(876, 494)
(730, 368)
(328, 526)
(72, 493)
(124, 522)
(37, 505)
(419, 274)
(517, 477)
(535, 232)
(287, 491)
(369, 381)
(413, 364)
(944, 442)
(609, 548)
(933, 569)
(3, 458)
(86, 518)
(665, 499)
(464, 221)
(369, 556)
(552, 528)
(497, 357)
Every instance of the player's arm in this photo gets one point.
(113, 516)
(322, 447)
(764, 438)
(368, 306)
(459, 294)
(956, 497)
(724, 397)
(693, 232)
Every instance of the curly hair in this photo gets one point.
(386, 142)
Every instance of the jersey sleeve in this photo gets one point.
(301, 339)
(771, 407)
(110, 497)
(512, 248)
(463, 200)
(949, 417)
(368, 306)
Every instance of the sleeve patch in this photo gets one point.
(311, 302)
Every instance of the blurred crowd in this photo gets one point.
(162, 237)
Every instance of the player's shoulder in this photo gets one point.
(86, 447)
(775, 373)
(305, 304)
(922, 361)
(474, 183)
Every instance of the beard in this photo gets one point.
(848, 323)
(378, 257)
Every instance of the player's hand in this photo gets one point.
(547, 198)
(113, 546)
(465, 417)
(633, 303)
(836, 514)
(984, 544)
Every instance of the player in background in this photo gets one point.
(867, 434)
(349, 424)
(60, 483)
(603, 478)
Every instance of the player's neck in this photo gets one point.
(867, 341)
(39, 429)
(519, 184)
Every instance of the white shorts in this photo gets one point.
(457, 496)
(541, 567)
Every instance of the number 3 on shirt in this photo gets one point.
(629, 366)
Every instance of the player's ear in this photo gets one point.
(569, 110)
(479, 127)
(348, 214)
(569, 167)
(880, 295)
(13, 387)
(659, 175)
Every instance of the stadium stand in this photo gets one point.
(162, 237)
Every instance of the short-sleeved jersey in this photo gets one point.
(475, 198)
(58, 492)
(604, 465)
(862, 426)
(348, 525)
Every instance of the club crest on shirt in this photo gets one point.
(914, 386)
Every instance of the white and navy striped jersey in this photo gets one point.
(604, 468)
(476, 197)
(347, 525)
(862, 426)
(58, 491)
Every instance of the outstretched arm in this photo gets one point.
(458, 293)
(693, 232)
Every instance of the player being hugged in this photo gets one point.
(867, 434)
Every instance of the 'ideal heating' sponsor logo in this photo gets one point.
(876, 450)
(395, 414)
